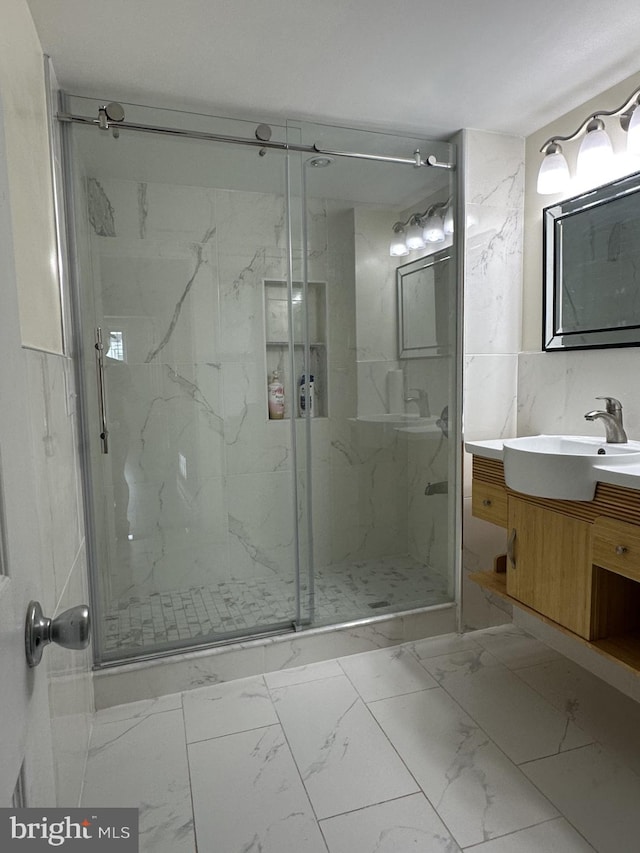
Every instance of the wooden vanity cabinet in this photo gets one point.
(550, 570)
(575, 563)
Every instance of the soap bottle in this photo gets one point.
(276, 397)
(305, 396)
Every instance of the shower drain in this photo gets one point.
(379, 604)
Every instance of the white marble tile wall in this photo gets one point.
(206, 481)
(58, 522)
(493, 175)
(488, 741)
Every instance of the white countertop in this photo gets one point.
(627, 475)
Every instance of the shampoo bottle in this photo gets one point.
(276, 397)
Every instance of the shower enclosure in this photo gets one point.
(204, 266)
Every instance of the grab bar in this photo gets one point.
(102, 400)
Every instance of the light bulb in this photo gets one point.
(595, 155)
(434, 229)
(448, 221)
(553, 176)
(398, 247)
(633, 132)
(414, 238)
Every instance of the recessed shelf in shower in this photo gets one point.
(278, 339)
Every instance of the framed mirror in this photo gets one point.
(423, 299)
(592, 268)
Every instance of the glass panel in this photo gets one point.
(383, 445)
(194, 504)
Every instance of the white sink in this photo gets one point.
(562, 466)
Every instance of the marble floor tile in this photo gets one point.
(597, 794)
(130, 710)
(222, 709)
(478, 793)
(301, 674)
(247, 796)
(385, 673)
(607, 715)
(554, 836)
(141, 762)
(433, 647)
(523, 724)
(344, 759)
(513, 647)
(406, 824)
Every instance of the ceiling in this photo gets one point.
(411, 65)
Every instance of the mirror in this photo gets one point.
(592, 268)
(423, 306)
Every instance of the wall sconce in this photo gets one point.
(595, 153)
(432, 226)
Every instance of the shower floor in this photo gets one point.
(342, 592)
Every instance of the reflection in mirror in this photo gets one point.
(423, 306)
(592, 268)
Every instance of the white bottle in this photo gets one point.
(305, 396)
(276, 397)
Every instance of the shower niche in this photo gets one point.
(278, 341)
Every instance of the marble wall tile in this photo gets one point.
(71, 700)
(493, 272)
(556, 389)
(59, 522)
(261, 525)
(489, 406)
(494, 169)
(257, 218)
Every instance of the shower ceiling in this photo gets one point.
(417, 65)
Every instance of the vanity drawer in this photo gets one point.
(615, 545)
(489, 502)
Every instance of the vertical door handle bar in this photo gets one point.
(102, 401)
(511, 541)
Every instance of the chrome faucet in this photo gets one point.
(612, 419)
(422, 400)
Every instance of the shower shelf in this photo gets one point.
(282, 344)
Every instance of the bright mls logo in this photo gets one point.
(69, 829)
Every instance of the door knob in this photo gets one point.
(70, 629)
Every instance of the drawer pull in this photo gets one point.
(621, 549)
(486, 502)
(511, 541)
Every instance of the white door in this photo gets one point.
(20, 577)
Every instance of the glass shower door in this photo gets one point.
(181, 244)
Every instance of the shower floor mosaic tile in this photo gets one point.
(342, 592)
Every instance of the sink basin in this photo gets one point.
(562, 466)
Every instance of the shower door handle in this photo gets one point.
(102, 400)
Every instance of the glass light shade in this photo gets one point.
(633, 132)
(595, 157)
(414, 238)
(448, 221)
(553, 176)
(434, 229)
(398, 247)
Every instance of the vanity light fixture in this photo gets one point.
(595, 153)
(420, 229)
